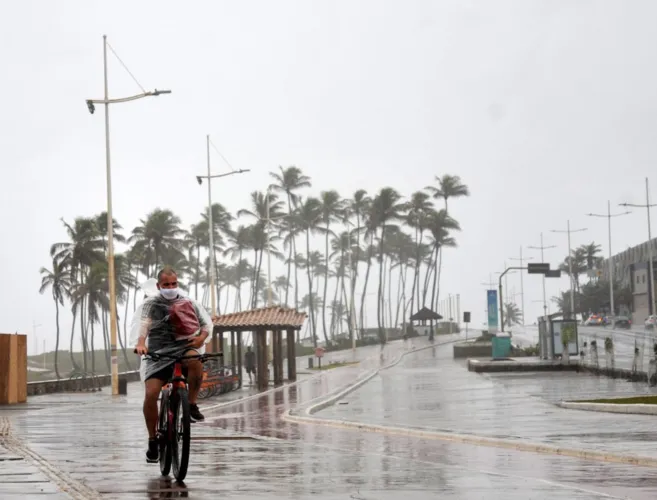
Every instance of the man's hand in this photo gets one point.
(198, 341)
(141, 349)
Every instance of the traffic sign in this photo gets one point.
(538, 268)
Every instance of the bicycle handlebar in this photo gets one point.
(155, 356)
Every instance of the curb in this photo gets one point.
(637, 409)
(479, 441)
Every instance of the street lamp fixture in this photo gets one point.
(199, 179)
(570, 264)
(609, 216)
(110, 220)
(542, 248)
(647, 206)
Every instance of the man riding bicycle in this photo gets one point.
(159, 328)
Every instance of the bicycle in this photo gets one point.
(174, 423)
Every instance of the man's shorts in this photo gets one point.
(250, 369)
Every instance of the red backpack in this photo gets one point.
(183, 317)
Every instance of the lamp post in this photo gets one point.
(647, 206)
(542, 248)
(521, 260)
(352, 316)
(611, 268)
(199, 179)
(570, 263)
(110, 220)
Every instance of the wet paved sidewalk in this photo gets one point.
(246, 450)
(430, 389)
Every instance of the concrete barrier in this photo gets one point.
(473, 350)
(76, 385)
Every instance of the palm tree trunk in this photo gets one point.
(434, 295)
(123, 348)
(362, 298)
(70, 352)
(335, 298)
(93, 351)
(390, 293)
(379, 305)
(326, 282)
(57, 339)
(310, 289)
(106, 340)
(296, 277)
(427, 278)
(197, 270)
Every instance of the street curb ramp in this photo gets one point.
(472, 439)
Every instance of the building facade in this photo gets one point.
(631, 268)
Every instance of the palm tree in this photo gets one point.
(158, 235)
(195, 239)
(307, 217)
(331, 206)
(79, 254)
(59, 281)
(512, 314)
(239, 241)
(420, 209)
(386, 208)
(289, 181)
(449, 186)
(91, 297)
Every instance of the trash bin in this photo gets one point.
(123, 385)
(501, 346)
(310, 363)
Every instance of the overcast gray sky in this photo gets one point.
(546, 109)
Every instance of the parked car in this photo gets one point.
(650, 322)
(594, 320)
(622, 322)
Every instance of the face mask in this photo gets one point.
(169, 293)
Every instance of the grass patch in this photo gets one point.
(636, 400)
(335, 364)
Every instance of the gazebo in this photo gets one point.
(275, 319)
(425, 314)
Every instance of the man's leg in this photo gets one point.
(153, 389)
(194, 380)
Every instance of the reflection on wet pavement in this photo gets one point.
(100, 441)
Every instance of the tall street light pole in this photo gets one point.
(110, 220)
(199, 179)
(611, 267)
(570, 263)
(521, 261)
(647, 206)
(542, 248)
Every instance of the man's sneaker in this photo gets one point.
(153, 454)
(196, 415)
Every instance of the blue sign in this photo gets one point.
(492, 311)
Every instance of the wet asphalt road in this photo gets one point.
(246, 450)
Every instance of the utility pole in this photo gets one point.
(542, 248)
(570, 264)
(522, 260)
(611, 267)
(647, 206)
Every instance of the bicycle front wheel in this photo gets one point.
(164, 434)
(181, 434)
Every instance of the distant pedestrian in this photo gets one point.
(249, 363)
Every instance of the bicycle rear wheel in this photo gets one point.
(181, 434)
(164, 432)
